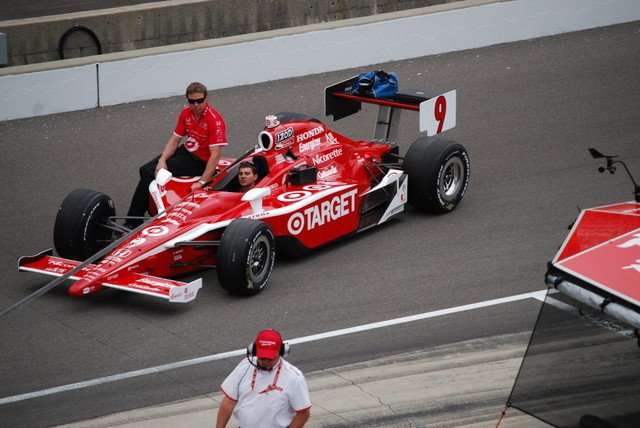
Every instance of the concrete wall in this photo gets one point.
(178, 21)
(240, 60)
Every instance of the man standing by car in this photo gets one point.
(264, 390)
(205, 130)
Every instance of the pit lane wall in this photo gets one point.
(177, 21)
(110, 79)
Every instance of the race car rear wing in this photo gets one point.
(437, 111)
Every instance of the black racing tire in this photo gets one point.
(245, 256)
(439, 172)
(77, 233)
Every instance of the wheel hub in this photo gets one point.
(451, 179)
(258, 259)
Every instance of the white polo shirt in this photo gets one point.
(266, 398)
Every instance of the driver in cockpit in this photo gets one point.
(247, 176)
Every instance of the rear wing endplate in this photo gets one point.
(437, 111)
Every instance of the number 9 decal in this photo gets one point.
(438, 113)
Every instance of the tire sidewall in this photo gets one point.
(235, 255)
(455, 151)
(261, 235)
(75, 233)
(425, 164)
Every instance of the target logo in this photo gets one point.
(295, 224)
(322, 213)
(317, 187)
(191, 144)
(155, 231)
(294, 196)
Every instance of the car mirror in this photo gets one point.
(163, 177)
(254, 196)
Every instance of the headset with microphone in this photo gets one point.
(252, 348)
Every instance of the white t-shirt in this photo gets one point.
(266, 399)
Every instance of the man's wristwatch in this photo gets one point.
(202, 182)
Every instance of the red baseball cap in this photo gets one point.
(268, 344)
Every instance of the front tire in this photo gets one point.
(245, 256)
(79, 230)
(438, 172)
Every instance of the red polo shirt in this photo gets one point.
(209, 130)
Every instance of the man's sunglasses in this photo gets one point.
(195, 100)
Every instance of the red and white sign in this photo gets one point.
(613, 266)
(438, 113)
(603, 249)
(595, 226)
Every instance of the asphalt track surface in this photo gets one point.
(527, 112)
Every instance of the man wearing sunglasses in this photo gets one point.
(205, 133)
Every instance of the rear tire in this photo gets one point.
(438, 172)
(77, 233)
(245, 256)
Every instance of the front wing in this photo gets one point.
(174, 291)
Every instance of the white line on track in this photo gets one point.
(538, 295)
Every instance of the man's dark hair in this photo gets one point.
(248, 164)
(196, 87)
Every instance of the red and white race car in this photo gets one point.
(315, 186)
